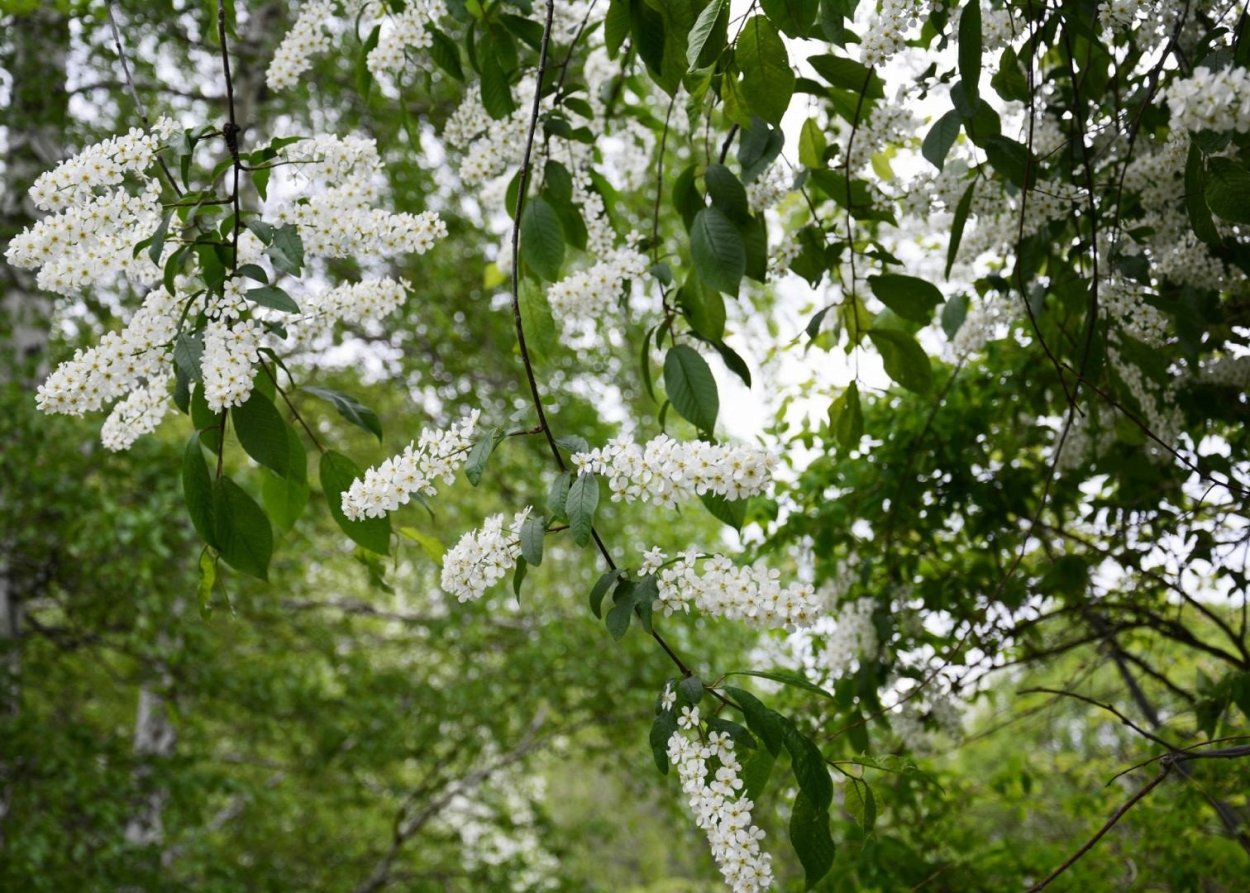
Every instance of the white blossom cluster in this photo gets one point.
(90, 240)
(711, 779)
(888, 123)
(483, 557)
(434, 455)
(403, 31)
(497, 825)
(887, 32)
(585, 295)
(335, 220)
(306, 40)
(852, 636)
(1124, 302)
(356, 302)
(1229, 371)
(1211, 100)
(229, 362)
(491, 147)
(752, 595)
(906, 723)
(75, 180)
(136, 415)
(770, 188)
(1160, 409)
(120, 362)
(664, 471)
(1117, 15)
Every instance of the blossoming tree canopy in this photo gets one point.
(984, 262)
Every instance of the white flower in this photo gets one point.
(586, 294)
(229, 361)
(689, 718)
(664, 470)
(669, 698)
(483, 557)
(1211, 100)
(752, 595)
(720, 810)
(433, 456)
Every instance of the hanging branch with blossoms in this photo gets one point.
(1081, 184)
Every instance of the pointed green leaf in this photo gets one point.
(244, 537)
(349, 408)
(542, 239)
(533, 530)
(262, 433)
(908, 296)
(905, 360)
(691, 387)
(580, 506)
(197, 491)
(720, 258)
(810, 837)
(767, 81)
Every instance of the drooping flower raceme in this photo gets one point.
(664, 470)
(586, 294)
(711, 779)
(434, 456)
(483, 557)
(752, 595)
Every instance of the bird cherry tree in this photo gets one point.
(1029, 216)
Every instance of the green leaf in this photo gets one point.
(622, 610)
(540, 326)
(850, 75)
(244, 537)
(197, 491)
(846, 418)
(208, 578)
(957, 226)
(616, 26)
(533, 530)
(273, 297)
(580, 506)
(758, 146)
(767, 81)
(793, 17)
(691, 387)
(1228, 190)
(728, 511)
(287, 250)
(970, 47)
(337, 474)
(1195, 197)
(757, 768)
(812, 144)
(690, 688)
(158, 238)
(953, 314)
(479, 453)
(645, 594)
(431, 546)
(600, 589)
(720, 257)
(786, 677)
(808, 764)
(1010, 81)
(765, 723)
(810, 837)
(285, 499)
(207, 423)
(518, 577)
(542, 239)
(262, 433)
(349, 408)
(704, 307)
(558, 495)
(496, 92)
(661, 730)
(905, 361)
(699, 35)
(859, 801)
(941, 136)
(727, 192)
(909, 297)
(445, 53)
(1011, 159)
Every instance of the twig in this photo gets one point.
(1098, 835)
